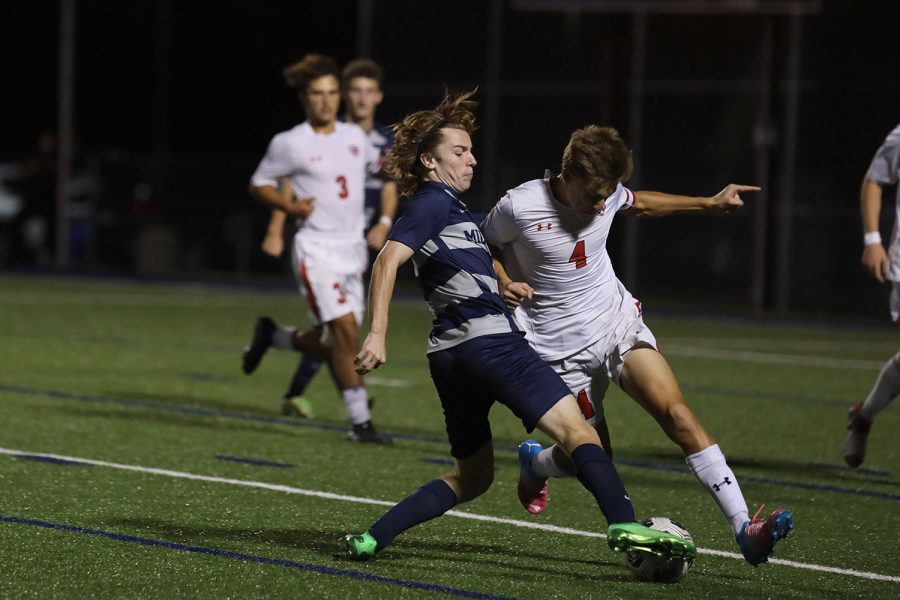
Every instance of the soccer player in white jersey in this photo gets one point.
(549, 237)
(361, 83)
(476, 354)
(884, 170)
(326, 163)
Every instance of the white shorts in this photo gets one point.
(329, 275)
(895, 301)
(588, 372)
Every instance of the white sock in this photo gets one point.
(357, 402)
(543, 465)
(714, 474)
(283, 338)
(886, 387)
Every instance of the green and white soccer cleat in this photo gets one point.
(361, 546)
(633, 537)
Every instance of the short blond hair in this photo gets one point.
(600, 157)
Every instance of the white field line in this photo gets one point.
(771, 358)
(387, 382)
(341, 497)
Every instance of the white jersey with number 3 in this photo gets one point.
(577, 296)
(329, 167)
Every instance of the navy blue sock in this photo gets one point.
(431, 500)
(597, 473)
(306, 370)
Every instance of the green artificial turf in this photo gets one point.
(148, 376)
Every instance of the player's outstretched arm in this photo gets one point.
(874, 258)
(659, 204)
(381, 289)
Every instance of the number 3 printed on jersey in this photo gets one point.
(578, 256)
(342, 182)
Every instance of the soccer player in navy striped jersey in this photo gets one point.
(476, 353)
(548, 237)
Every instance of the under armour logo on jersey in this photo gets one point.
(315, 158)
(541, 226)
(354, 150)
(718, 486)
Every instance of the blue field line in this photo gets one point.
(195, 410)
(416, 585)
(253, 461)
(53, 460)
(406, 436)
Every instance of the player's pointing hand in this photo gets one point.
(730, 198)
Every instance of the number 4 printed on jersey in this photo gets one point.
(578, 256)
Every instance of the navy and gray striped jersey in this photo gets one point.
(453, 266)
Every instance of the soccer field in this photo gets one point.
(136, 460)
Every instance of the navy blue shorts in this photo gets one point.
(501, 367)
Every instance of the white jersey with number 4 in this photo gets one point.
(577, 296)
(329, 167)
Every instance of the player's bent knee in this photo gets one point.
(474, 483)
(681, 416)
(344, 333)
(576, 433)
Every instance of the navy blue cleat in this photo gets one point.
(262, 341)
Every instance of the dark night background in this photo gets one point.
(176, 101)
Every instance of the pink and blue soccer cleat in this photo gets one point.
(758, 537)
(532, 488)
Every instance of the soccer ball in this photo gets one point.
(650, 567)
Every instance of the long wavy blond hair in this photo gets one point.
(420, 132)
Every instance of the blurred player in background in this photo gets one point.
(325, 163)
(549, 242)
(476, 354)
(884, 170)
(361, 84)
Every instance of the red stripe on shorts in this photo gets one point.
(310, 296)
